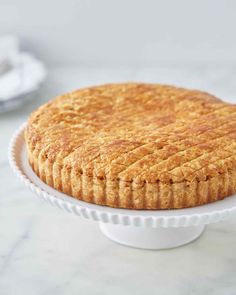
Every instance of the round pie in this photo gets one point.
(136, 146)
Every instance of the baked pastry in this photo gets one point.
(137, 146)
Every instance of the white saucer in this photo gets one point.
(21, 82)
(148, 229)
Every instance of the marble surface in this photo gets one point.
(46, 251)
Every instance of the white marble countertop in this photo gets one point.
(45, 251)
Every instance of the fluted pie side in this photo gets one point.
(137, 146)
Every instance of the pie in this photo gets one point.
(136, 146)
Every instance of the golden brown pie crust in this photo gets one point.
(138, 146)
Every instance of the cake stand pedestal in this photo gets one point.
(151, 238)
(146, 229)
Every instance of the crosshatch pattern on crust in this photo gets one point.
(140, 146)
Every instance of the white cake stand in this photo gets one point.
(147, 229)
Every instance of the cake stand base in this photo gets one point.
(151, 238)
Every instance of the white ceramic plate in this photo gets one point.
(154, 218)
(21, 82)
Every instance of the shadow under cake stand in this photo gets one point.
(147, 229)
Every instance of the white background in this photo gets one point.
(123, 32)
